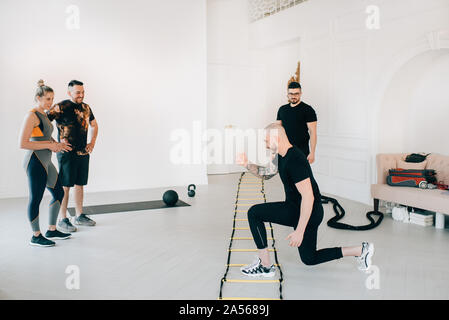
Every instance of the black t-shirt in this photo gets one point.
(72, 120)
(294, 120)
(293, 168)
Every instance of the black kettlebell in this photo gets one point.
(191, 193)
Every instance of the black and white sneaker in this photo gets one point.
(256, 269)
(40, 241)
(57, 235)
(365, 259)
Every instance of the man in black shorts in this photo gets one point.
(302, 209)
(300, 122)
(73, 118)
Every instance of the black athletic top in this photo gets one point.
(293, 168)
(73, 123)
(294, 120)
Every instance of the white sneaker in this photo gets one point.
(365, 259)
(256, 269)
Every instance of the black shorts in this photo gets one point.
(73, 169)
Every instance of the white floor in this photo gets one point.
(180, 253)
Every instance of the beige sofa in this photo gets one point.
(433, 200)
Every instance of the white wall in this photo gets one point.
(232, 78)
(239, 75)
(346, 72)
(428, 119)
(143, 63)
(415, 111)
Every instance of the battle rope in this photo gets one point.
(340, 213)
(230, 250)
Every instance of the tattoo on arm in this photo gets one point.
(265, 173)
(54, 113)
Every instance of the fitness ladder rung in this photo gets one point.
(245, 298)
(267, 228)
(249, 250)
(234, 265)
(248, 238)
(251, 281)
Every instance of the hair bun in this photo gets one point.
(40, 83)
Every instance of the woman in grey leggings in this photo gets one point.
(36, 139)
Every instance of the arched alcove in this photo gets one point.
(414, 113)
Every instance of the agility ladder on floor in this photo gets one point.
(251, 185)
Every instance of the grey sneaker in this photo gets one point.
(84, 220)
(365, 259)
(66, 226)
(256, 269)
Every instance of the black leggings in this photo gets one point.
(37, 181)
(287, 214)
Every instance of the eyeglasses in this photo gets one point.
(294, 94)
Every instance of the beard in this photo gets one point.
(272, 149)
(294, 101)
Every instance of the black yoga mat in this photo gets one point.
(127, 207)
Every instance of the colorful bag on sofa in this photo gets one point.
(411, 178)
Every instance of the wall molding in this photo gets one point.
(259, 9)
(351, 175)
(322, 165)
(345, 142)
(438, 40)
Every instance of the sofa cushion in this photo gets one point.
(428, 199)
(440, 164)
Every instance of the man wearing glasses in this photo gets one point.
(300, 122)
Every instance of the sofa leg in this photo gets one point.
(376, 205)
(439, 220)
